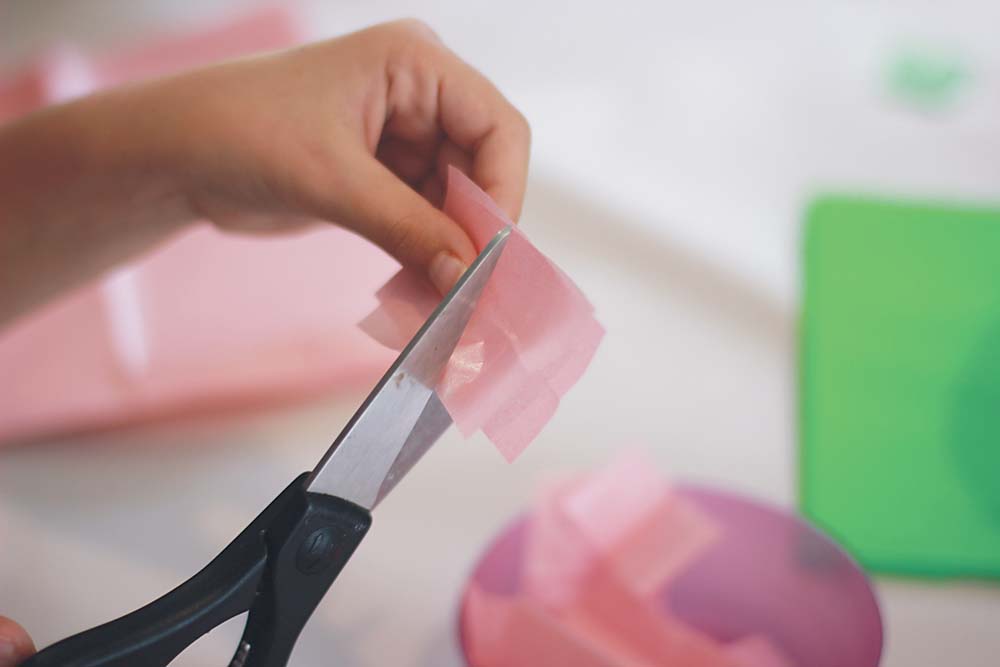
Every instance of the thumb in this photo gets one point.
(375, 203)
(15, 644)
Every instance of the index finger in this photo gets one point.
(480, 120)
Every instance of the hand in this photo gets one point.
(15, 644)
(356, 131)
(348, 131)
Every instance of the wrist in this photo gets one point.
(77, 197)
(125, 141)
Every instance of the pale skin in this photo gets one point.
(356, 131)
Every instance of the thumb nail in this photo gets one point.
(444, 271)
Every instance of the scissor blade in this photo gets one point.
(379, 442)
(430, 426)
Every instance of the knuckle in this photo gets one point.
(413, 28)
(522, 124)
(411, 42)
(402, 237)
(520, 128)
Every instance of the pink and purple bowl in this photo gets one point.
(771, 574)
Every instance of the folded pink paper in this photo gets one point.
(519, 632)
(644, 533)
(63, 72)
(209, 321)
(624, 519)
(532, 336)
(268, 28)
(640, 623)
(598, 555)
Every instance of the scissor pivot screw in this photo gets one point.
(316, 551)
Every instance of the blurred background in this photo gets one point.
(678, 151)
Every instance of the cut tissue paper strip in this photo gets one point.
(532, 336)
(598, 554)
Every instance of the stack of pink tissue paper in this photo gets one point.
(530, 339)
(208, 321)
(598, 554)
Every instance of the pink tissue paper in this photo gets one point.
(531, 338)
(598, 554)
(578, 529)
(209, 320)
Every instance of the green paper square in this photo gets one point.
(900, 383)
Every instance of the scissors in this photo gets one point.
(280, 567)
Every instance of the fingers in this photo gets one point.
(432, 186)
(451, 155)
(410, 162)
(483, 124)
(15, 644)
(378, 205)
(431, 89)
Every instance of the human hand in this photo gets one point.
(356, 131)
(350, 131)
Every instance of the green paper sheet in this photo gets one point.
(900, 383)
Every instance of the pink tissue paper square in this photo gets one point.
(524, 633)
(531, 338)
(624, 519)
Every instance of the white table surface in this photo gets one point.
(677, 214)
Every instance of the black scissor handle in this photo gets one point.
(308, 545)
(278, 568)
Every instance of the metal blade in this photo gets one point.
(386, 436)
(431, 425)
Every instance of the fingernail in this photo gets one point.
(445, 270)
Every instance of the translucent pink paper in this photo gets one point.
(742, 585)
(64, 72)
(531, 338)
(208, 321)
(624, 520)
